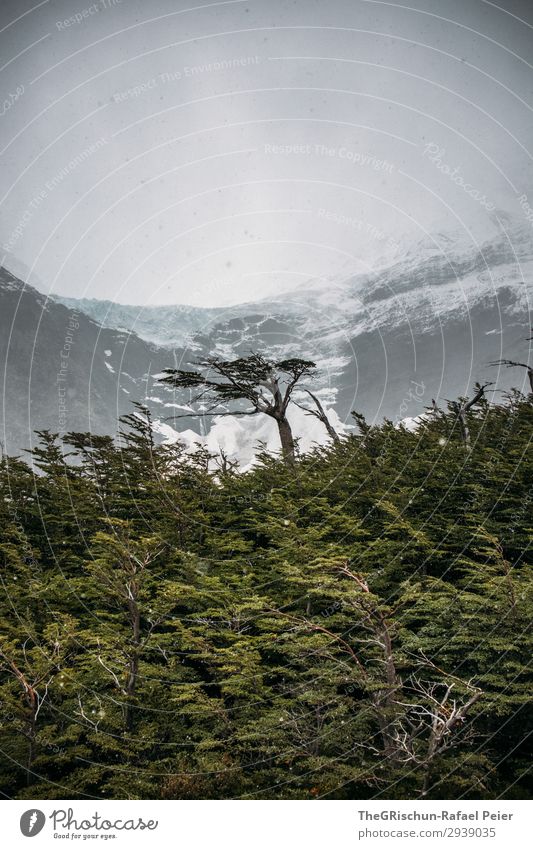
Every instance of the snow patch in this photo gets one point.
(412, 423)
(179, 407)
(240, 437)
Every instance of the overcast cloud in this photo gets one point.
(210, 154)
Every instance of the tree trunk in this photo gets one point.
(133, 669)
(286, 439)
(133, 663)
(385, 699)
(465, 433)
(31, 746)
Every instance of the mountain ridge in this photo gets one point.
(430, 320)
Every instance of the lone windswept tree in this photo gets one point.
(265, 386)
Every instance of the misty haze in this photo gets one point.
(266, 278)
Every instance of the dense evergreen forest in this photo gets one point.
(354, 623)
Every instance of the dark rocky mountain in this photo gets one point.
(63, 371)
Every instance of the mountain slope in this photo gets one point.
(61, 370)
(385, 342)
(169, 325)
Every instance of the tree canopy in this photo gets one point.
(355, 624)
(266, 386)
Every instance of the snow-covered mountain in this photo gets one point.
(386, 342)
(166, 326)
(436, 316)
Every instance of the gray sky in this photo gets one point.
(180, 152)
